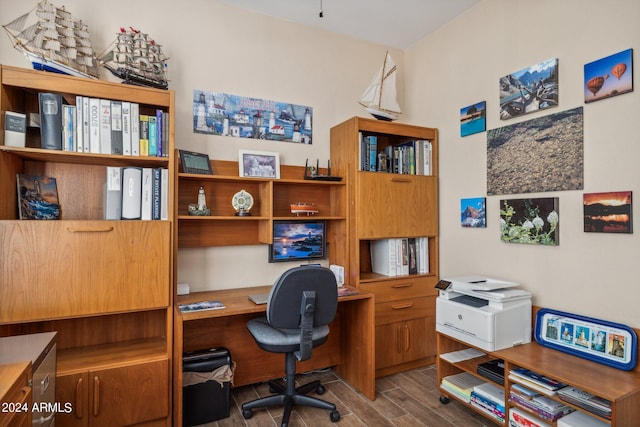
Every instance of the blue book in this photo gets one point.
(153, 136)
(373, 153)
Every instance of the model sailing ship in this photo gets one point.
(380, 98)
(137, 59)
(53, 40)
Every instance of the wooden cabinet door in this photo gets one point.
(129, 394)
(402, 342)
(73, 389)
(392, 205)
(418, 339)
(54, 269)
(388, 345)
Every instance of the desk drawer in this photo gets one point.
(399, 288)
(411, 308)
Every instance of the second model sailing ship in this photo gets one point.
(380, 98)
(137, 59)
(52, 39)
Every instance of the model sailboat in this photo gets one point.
(380, 97)
(137, 59)
(53, 40)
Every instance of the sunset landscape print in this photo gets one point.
(608, 212)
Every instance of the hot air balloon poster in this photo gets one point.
(608, 76)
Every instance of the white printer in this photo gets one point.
(487, 313)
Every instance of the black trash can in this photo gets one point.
(207, 377)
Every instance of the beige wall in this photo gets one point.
(222, 48)
(217, 47)
(589, 273)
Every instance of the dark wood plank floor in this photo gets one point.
(407, 399)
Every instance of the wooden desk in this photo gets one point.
(349, 349)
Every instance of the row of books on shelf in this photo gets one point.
(102, 126)
(411, 157)
(400, 256)
(136, 193)
(529, 408)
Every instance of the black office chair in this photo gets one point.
(301, 305)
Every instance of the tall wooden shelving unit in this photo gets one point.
(105, 286)
(385, 205)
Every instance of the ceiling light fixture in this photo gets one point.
(321, 14)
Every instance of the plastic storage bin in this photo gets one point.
(207, 377)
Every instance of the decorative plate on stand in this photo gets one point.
(242, 202)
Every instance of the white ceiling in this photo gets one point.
(393, 23)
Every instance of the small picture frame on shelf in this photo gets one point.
(193, 162)
(259, 164)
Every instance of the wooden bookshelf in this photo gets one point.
(104, 286)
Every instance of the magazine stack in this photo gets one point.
(587, 401)
(535, 381)
(580, 419)
(542, 406)
(519, 418)
(489, 399)
(461, 385)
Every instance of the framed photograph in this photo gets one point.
(529, 90)
(532, 221)
(473, 119)
(473, 212)
(608, 77)
(608, 212)
(193, 162)
(259, 164)
(601, 341)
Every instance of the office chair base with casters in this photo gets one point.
(288, 396)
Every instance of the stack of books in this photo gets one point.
(536, 381)
(582, 399)
(461, 385)
(542, 406)
(489, 399)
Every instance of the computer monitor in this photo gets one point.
(298, 240)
